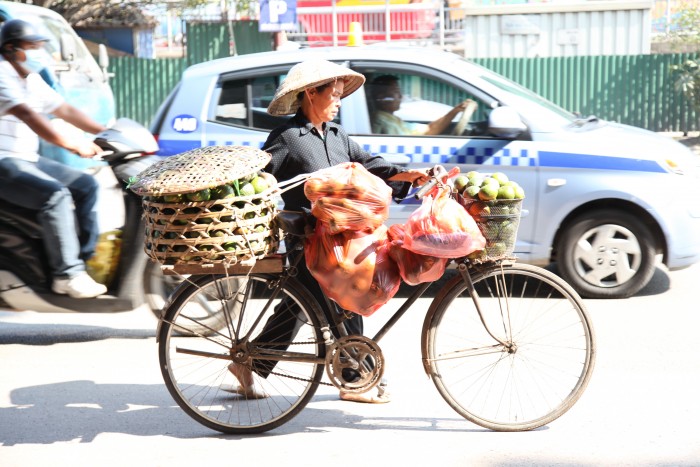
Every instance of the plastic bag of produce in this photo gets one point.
(348, 197)
(353, 268)
(413, 267)
(441, 227)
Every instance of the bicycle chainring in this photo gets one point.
(355, 364)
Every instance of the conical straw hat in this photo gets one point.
(310, 74)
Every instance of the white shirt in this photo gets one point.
(16, 138)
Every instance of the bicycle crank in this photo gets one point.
(355, 364)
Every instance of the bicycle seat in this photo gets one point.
(294, 222)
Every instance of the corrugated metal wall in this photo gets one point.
(141, 85)
(558, 29)
(633, 89)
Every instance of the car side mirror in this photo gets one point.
(103, 61)
(504, 122)
(68, 51)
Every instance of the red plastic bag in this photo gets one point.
(348, 197)
(353, 268)
(413, 267)
(441, 227)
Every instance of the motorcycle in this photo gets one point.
(25, 279)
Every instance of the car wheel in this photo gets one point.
(606, 254)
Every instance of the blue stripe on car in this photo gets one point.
(587, 161)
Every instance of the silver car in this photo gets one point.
(604, 201)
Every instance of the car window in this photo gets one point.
(243, 102)
(405, 103)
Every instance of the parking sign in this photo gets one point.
(278, 15)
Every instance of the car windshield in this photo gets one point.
(522, 98)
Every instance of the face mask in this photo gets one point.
(36, 60)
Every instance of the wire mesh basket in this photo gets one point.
(498, 221)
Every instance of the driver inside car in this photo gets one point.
(385, 93)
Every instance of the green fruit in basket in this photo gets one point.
(174, 198)
(247, 189)
(223, 192)
(478, 254)
(506, 192)
(519, 192)
(496, 249)
(500, 177)
(489, 181)
(473, 174)
(471, 191)
(475, 181)
(231, 246)
(259, 184)
(461, 182)
(488, 192)
(201, 195)
(507, 230)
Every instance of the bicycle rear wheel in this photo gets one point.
(195, 363)
(542, 364)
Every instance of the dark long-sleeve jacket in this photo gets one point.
(297, 148)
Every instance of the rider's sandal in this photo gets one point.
(382, 396)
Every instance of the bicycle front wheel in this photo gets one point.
(195, 358)
(534, 366)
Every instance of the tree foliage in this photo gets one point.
(685, 29)
(686, 76)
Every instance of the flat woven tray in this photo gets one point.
(198, 169)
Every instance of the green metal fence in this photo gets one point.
(632, 89)
(635, 89)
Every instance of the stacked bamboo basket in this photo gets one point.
(199, 210)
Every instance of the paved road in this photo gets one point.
(86, 390)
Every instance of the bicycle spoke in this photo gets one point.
(286, 371)
(544, 365)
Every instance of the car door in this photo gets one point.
(428, 94)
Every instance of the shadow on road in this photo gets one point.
(82, 410)
(36, 334)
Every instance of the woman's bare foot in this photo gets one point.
(382, 396)
(246, 382)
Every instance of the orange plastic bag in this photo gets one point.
(353, 268)
(441, 227)
(348, 197)
(413, 267)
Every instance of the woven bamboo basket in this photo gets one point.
(225, 230)
(498, 221)
(228, 230)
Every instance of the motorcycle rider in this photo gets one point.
(60, 194)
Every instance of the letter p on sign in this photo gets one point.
(277, 9)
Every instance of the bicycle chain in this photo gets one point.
(298, 378)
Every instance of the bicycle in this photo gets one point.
(509, 346)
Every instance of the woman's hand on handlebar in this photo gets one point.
(415, 177)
